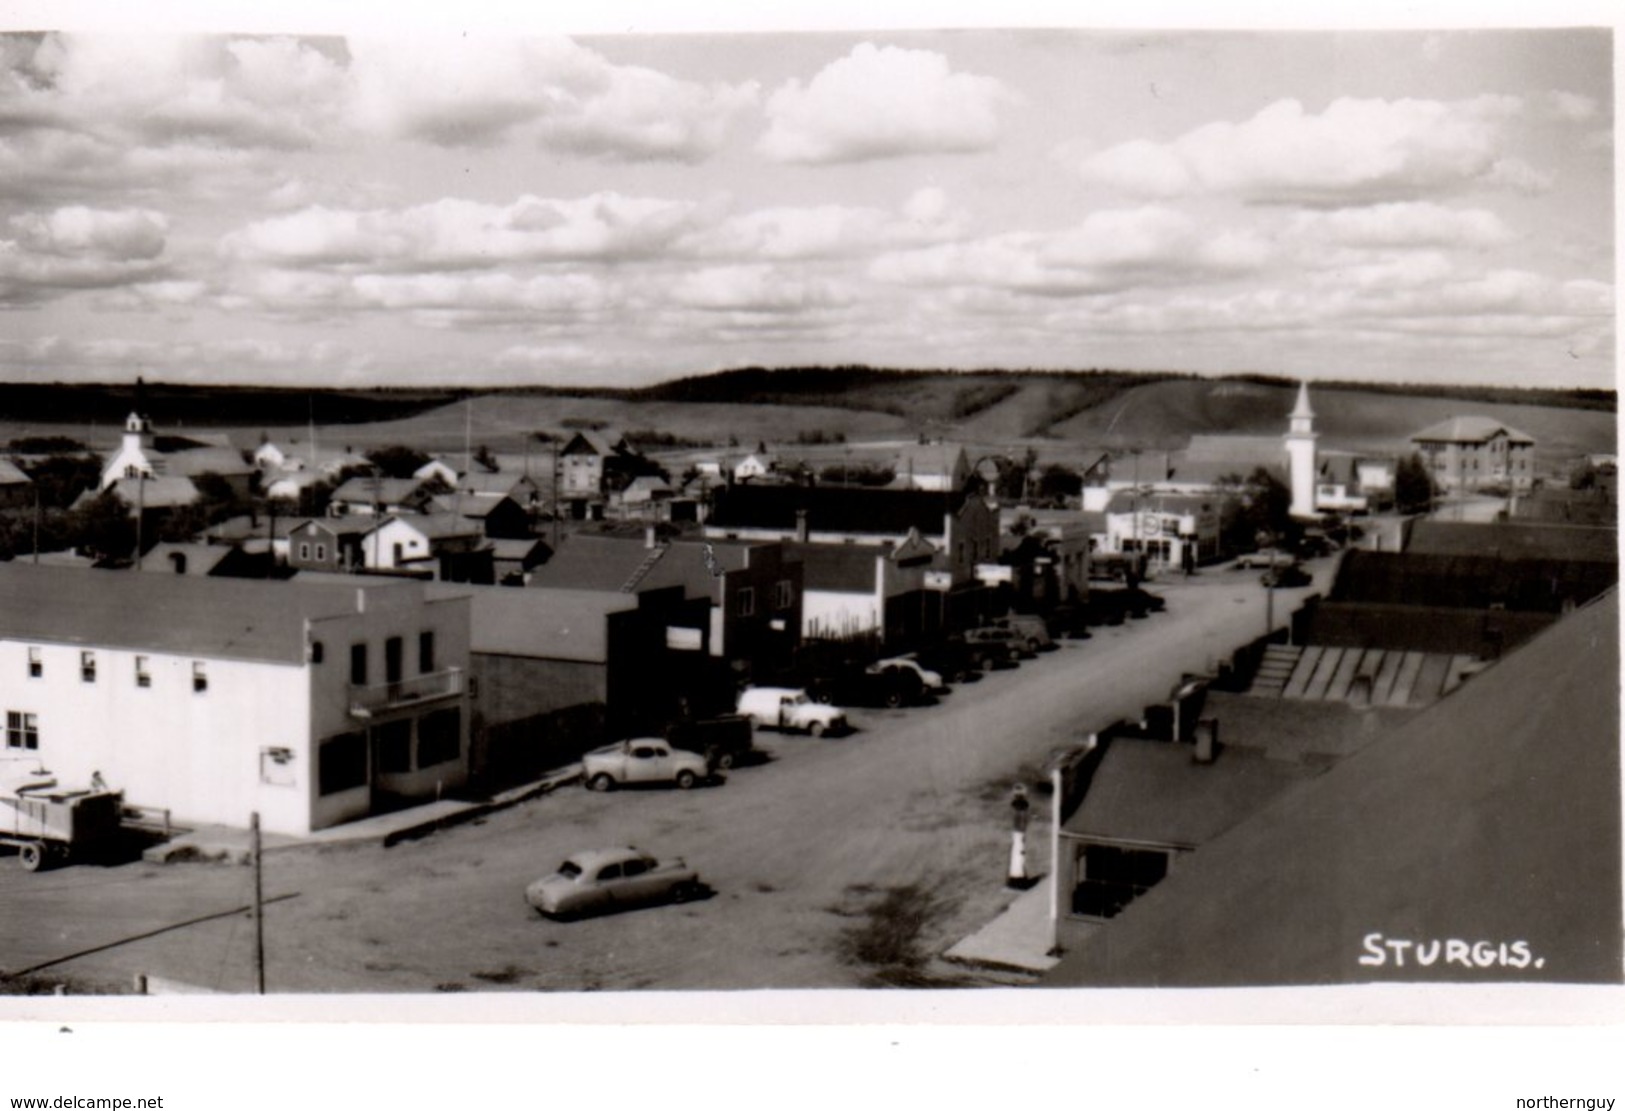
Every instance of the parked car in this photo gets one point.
(952, 659)
(888, 687)
(1031, 628)
(930, 681)
(999, 647)
(642, 760)
(612, 879)
(1264, 557)
(1286, 575)
(723, 741)
(790, 708)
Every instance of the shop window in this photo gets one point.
(392, 745)
(392, 660)
(1110, 878)
(22, 730)
(342, 763)
(318, 652)
(438, 737)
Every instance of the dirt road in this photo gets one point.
(801, 851)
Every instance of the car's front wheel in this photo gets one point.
(723, 761)
(816, 729)
(603, 781)
(685, 779)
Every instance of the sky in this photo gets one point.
(429, 206)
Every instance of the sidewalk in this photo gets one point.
(232, 844)
(1017, 940)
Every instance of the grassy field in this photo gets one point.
(1065, 418)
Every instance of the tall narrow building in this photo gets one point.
(1300, 450)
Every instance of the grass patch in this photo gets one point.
(888, 938)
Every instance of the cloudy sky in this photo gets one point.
(440, 207)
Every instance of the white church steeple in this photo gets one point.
(1300, 450)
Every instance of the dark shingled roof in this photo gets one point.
(881, 512)
(1493, 816)
(1512, 540)
(182, 614)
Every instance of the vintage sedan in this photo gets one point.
(643, 761)
(600, 880)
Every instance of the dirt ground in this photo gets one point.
(835, 863)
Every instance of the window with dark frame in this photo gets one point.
(358, 665)
(747, 601)
(36, 663)
(200, 677)
(143, 676)
(425, 652)
(22, 730)
(439, 737)
(87, 666)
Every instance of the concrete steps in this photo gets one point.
(1277, 666)
(1388, 677)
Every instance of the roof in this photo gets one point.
(591, 561)
(350, 524)
(1469, 581)
(384, 491)
(1302, 409)
(489, 484)
(541, 623)
(200, 558)
(434, 526)
(830, 509)
(1126, 501)
(11, 474)
(1206, 471)
(154, 493)
(1469, 430)
(593, 442)
(1153, 791)
(1494, 815)
(181, 614)
(201, 460)
(846, 568)
(1235, 448)
(696, 564)
(515, 549)
(1514, 540)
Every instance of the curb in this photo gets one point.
(480, 809)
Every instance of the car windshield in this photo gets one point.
(569, 869)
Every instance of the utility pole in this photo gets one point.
(259, 905)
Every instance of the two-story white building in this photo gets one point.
(213, 698)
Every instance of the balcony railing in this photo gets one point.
(380, 698)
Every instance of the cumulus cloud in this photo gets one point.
(1357, 150)
(827, 231)
(452, 233)
(477, 90)
(1406, 224)
(77, 248)
(883, 102)
(755, 289)
(1110, 249)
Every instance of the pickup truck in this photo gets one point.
(723, 741)
(642, 760)
(790, 708)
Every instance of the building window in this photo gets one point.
(36, 663)
(392, 746)
(747, 602)
(438, 737)
(342, 763)
(425, 652)
(318, 652)
(22, 730)
(784, 594)
(321, 553)
(392, 660)
(304, 550)
(143, 676)
(276, 767)
(1110, 877)
(358, 665)
(200, 677)
(87, 666)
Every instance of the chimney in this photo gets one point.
(801, 526)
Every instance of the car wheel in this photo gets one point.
(816, 729)
(601, 782)
(987, 663)
(685, 779)
(893, 699)
(724, 761)
(1033, 646)
(32, 856)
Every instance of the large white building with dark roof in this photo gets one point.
(308, 703)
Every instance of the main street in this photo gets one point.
(798, 849)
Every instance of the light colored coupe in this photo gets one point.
(600, 880)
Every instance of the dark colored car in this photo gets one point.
(890, 687)
(723, 741)
(999, 647)
(1286, 575)
(953, 659)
